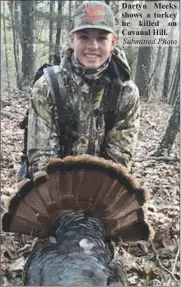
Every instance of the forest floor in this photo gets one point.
(147, 264)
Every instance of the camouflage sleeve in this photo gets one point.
(122, 139)
(42, 136)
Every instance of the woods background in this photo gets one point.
(34, 33)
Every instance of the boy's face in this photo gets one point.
(92, 47)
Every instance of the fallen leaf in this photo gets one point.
(170, 244)
(158, 271)
(18, 264)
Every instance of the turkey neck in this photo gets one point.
(84, 234)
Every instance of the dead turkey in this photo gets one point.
(79, 208)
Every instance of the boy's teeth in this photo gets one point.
(91, 56)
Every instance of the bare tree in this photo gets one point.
(158, 78)
(51, 28)
(28, 46)
(58, 31)
(70, 15)
(143, 79)
(171, 131)
(166, 86)
(14, 12)
(175, 81)
(5, 47)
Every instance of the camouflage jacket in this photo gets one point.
(85, 116)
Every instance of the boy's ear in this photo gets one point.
(114, 42)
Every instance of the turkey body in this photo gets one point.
(79, 255)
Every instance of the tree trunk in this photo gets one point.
(13, 8)
(158, 78)
(171, 131)
(117, 12)
(5, 48)
(70, 15)
(58, 32)
(17, 21)
(166, 86)
(142, 78)
(28, 47)
(175, 82)
(51, 26)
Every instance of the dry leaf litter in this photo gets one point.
(148, 264)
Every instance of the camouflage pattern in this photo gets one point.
(83, 99)
(94, 14)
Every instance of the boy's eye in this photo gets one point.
(84, 37)
(102, 38)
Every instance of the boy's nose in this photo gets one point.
(93, 44)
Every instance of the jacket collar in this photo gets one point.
(116, 71)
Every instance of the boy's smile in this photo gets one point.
(92, 47)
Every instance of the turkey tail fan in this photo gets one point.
(80, 184)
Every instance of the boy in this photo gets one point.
(93, 76)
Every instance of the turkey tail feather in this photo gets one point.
(80, 184)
